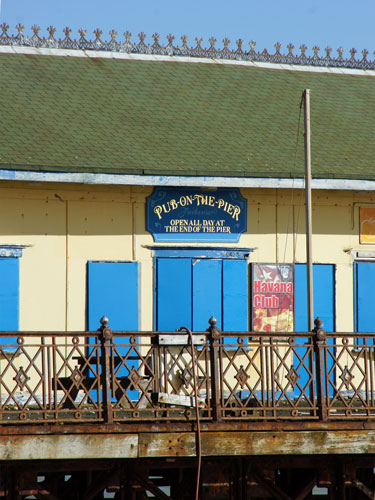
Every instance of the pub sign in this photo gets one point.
(196, 215)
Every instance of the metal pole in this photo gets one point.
(310, 300)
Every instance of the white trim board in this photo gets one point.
(186, 181)
(95, 54)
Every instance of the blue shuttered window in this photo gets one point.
(235, 296)
(207, 293)
(324, 296)
(112, 289)
(174, 294)
(324, 307)
(364, 279)
(9, 296)
(188, 291)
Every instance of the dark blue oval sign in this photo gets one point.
(194, 214)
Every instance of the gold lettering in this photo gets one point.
(158, 210)
(174, 204)
(236, 213)
(164, 209)
(201, 199)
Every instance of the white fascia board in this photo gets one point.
(179, 181)
(95, 54)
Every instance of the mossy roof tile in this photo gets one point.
(74, 114)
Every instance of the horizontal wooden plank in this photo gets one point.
(179, 339)
(288, 443)
(52, 447)
(171, 426)
(179, 400)
(167, 445)
(183, 444)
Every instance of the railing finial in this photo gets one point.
(212, 321)
(318, 323)
(213, 329)
(104, 321)
(320, 333)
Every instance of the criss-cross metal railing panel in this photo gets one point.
(267, 377)
(125, 377)
(49, 377)
(349, 366)
(153, 381)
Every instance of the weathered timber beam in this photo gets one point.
(269, 486)
(46, 495)
(77, 482)
(288, 443)
(183, 444)
(179, 400)
(128, 427)
(89, 446)
(306, 490)
(180, 490)
(47, 488)
(167, 445)
(99, 484)
(363, 488)
(148, 485)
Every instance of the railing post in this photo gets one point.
(320, 341)
(214, 336)
(105, 341)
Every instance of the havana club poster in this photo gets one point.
(273, 297)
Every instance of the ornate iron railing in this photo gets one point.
(123, 377)
(171, 49)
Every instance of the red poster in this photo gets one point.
(273, 297)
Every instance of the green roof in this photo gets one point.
(153, 117)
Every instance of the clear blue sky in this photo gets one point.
(346, 23)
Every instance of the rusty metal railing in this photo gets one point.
(122, 377)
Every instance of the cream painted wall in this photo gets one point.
(40, 224)
(67, 225)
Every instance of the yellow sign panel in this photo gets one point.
(367, 225)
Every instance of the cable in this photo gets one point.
(294, 168)
(198, 443)
(292, 201)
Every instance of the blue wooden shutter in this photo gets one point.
(364, 296)
(207, 288)
(9, 295)
(112, 291)
(324, 296)
(235, 295)
(324, 307)
(173, 294)
(189, 291)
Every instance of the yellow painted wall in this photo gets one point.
(65, 226)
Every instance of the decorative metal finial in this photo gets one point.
(157, 48)
(212, 321)
(318, 323)
(320, 333)
(104, 321)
